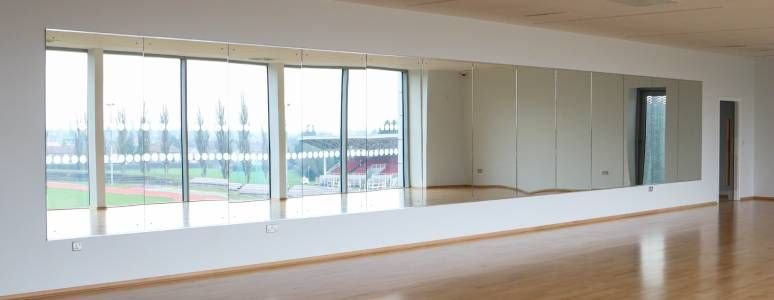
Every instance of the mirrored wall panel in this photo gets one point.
(218, 132)
(494, 131)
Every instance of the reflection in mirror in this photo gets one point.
(494, 131)
(651, 128)
(689, 131)
(67, 164)
(607, 131)
(411, 147)
(248, 123)
(394, 91)
(573, 130)
(448, 87)
(126, 125)
(633, 85)
(314, 120)
(290, 133)
(670, 123)
(536, 152)
(207, 96)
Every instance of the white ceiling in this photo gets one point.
(740, 27)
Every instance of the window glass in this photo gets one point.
(67, 171)
(142, 130)
(313, 124)
(162, 156)
(249, 132)
(385, 129)
(208, 129)
(357, 131)
(375, 128)
(125, 115)
(655, 139)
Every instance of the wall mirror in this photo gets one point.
(168, 133)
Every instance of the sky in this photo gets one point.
(312, 95)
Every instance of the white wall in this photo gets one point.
(31, 263)
(607, 128)
(449, 133)
(764, 126)
(573, 130)
(494, 125)
(536, 129)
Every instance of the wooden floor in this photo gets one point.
(713, 252)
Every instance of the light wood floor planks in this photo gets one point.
(714, 252)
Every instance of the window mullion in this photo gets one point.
(184, 128)
(96, 135)
(343, 185)
(277, 132)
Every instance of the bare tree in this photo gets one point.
(264, 149)
(202, 140)
(124, 144)
(244, 140)
(165, 144)
(222, 138)
(143, 137)
(79, 139)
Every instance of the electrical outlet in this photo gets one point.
(651, 188)
(480, 171)
(605, 172)
(77, 246)
(272, 228)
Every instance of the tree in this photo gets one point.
(165, 144)
(244, 140)
(264, 149)
(143, 137)
(124, 144)
(79, 139)
(222, 138)
(202, 140)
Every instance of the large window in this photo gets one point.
(313, 124)
(375, 130)
(178, 121)
(142, 130)
(208, 130)
(652, 136)
(373, 99)
(67, 171)
(228, 138)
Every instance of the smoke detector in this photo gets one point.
(644, 3)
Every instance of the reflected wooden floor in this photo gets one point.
(73, 223)
(714, 252)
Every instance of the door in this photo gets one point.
(727, 138)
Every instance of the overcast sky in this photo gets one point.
(312, 95)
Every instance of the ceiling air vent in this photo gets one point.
(644, 3)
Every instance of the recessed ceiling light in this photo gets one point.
(644, 3)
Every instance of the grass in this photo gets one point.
(257, 176)
(68, 199)
(59, 198)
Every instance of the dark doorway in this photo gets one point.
(727, 163)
